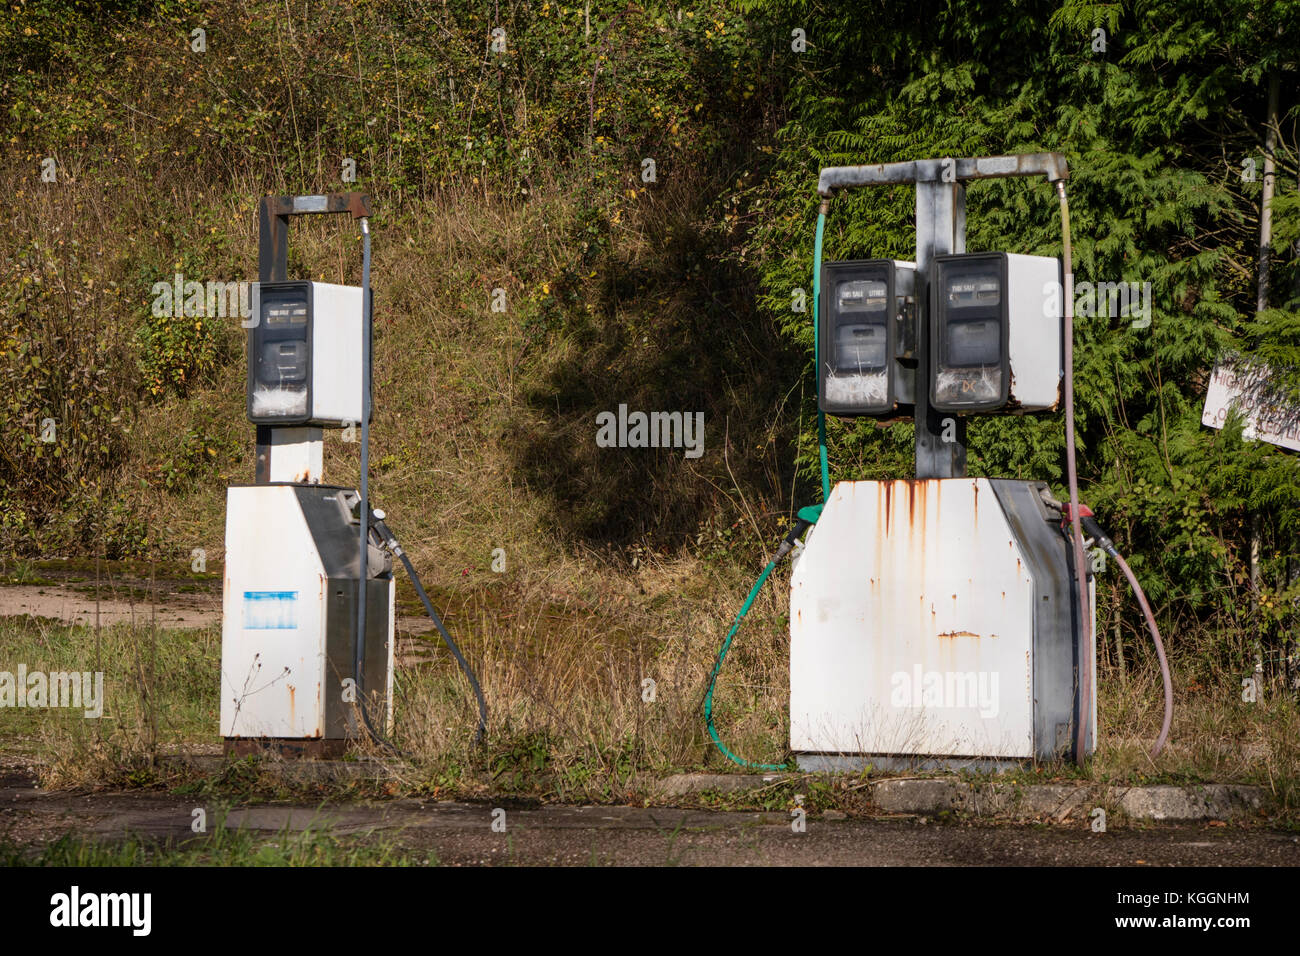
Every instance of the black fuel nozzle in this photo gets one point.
(377, 525)
(805, 519)
(791, 539)
(1091, 527)
(1103, 541)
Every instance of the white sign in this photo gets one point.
(1274, 423)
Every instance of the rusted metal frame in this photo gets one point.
(940, 230)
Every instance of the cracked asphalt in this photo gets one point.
(463, 834)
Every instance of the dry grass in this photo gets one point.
(562, 660)
(1215, 736)
(566, 675)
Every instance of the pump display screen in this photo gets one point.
(861, 339)
(972, 319)
(862, 295)
(968, 330)
(858, 328)
(860, 347)
(965, 292)
(284, 363)
(285, 309)
(280, 354)
(973, 343)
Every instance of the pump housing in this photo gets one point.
(995, 333)
(304, 355)
(867, 337)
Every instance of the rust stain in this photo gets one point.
(291, 703)
(960, 634)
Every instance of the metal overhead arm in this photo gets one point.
(1052, 166)
(940, 230)
(273, 218)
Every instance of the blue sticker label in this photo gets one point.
(270, 610)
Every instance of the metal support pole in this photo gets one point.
(940, 230)
(272, 266)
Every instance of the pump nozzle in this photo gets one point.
(806, 518)
(791, 539)
(1102, 540)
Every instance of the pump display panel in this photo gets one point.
(861, 336)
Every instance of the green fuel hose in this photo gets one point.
(817, 355)
(806, 519)
(807, 516)
(713, 678)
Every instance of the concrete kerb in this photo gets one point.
(930, 796)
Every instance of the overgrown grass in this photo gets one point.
(621, 566)
(564, 671)
(159, 693)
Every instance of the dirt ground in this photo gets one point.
(76, 606)
(79, 605)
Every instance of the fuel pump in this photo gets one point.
(307, 638)
(942, 621)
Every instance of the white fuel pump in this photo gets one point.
(308, 639)
(942, 621)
